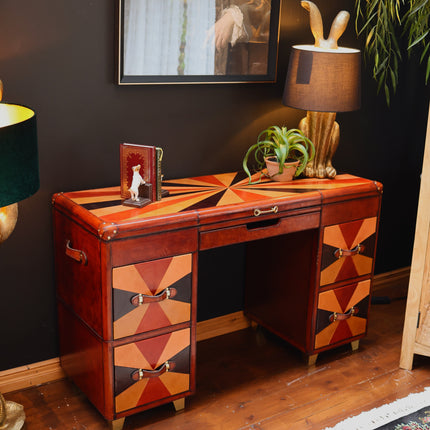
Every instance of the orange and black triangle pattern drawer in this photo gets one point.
(348, 250)
(151, 295)
(152, 369)
(342, 313)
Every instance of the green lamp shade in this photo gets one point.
(19, 165)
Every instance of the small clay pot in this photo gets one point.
(290, 168)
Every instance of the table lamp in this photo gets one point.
(323, 79)
(19, 179)
(19, 168)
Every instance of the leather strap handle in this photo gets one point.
(340, 317)
(139, 374)
(339, 253)
(76, 254)
(142, 299)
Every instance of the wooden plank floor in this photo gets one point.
(252, 380)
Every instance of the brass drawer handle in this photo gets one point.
(339, 253)
(258, 212)
(76, 254)
(335, 316)
(139, 374)
(142, 299)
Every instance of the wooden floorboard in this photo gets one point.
(252, 380)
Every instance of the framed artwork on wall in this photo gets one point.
(197, 41)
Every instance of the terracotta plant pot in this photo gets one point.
(290, 168)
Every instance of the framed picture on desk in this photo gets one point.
(197, 41)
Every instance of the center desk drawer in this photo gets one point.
(257, 228)
(151, 295)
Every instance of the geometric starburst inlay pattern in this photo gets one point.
(357, 241)
(151, 355)
(165, 283)
(331, 330)
(200, 193)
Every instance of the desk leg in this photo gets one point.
(311, 359)
(355, 344)
(117, 424)
(179, 404)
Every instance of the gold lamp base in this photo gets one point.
(322, 129)
(12, 415)
(8, 218)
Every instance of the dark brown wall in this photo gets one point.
(59, 58)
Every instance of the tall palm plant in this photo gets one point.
(384, 23)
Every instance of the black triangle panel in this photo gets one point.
(183, 289)
(286, 189)
(327, 256)
(240, 176)
(122, 303)
(363, 307)
(369, 246)
(322, 320)
(100, 205)
(182, 361)
(187, 193)
(123, 379)
(208, 202)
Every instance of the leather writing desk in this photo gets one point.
(127, 278)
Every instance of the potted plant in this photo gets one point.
(285, 153)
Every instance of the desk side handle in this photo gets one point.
(76, 254)
(142, 299)
(258, 212)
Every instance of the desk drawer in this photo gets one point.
(348, 250)
(151, 295)
(152, 369)
(258, 229)
(342, 313)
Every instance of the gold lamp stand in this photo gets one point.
(12, 414)
(323, 79)
(18, 148)
(322, 129)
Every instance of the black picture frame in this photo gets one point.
(250, 61)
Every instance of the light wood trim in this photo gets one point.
(419, 259)
(222, 325)
(43, 372)
(30, 375)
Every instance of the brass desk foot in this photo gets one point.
(355, 344)
(311, 359)
(117, 424)
(179, 404)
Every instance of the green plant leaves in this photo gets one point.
(283, 144)
(384, 23)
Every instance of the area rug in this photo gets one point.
(410, 413)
